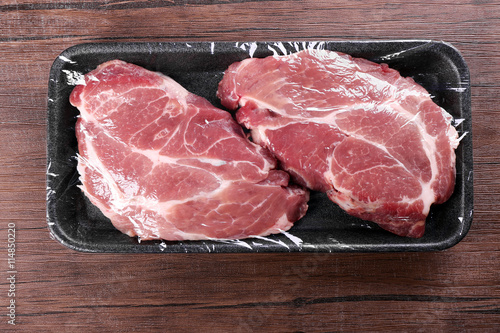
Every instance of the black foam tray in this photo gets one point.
(199, 67)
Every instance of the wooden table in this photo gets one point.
(58, 289)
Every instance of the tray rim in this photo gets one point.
(57, 233)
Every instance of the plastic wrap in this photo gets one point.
(199, 67)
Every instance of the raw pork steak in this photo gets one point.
(162, 163)
(371, 139)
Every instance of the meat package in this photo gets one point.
(301, 146)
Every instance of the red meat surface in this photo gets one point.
(163, 163)
(373, 140)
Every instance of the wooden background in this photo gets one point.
(58, 289)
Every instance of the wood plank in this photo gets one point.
(60, 289)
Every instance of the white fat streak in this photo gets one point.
(157, 159)
(154, 156)
(163, 207)
(212, 161)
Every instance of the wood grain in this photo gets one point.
(58, 289)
